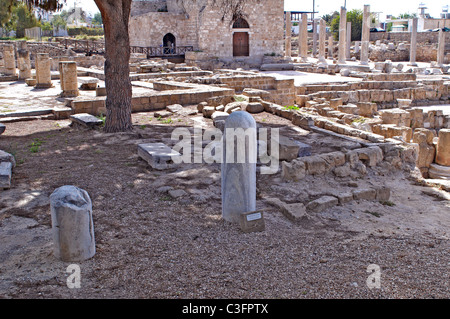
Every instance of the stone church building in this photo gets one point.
(198, 24)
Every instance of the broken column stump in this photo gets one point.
(72, 225)
(158, 155)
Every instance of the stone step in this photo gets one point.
(26, 118)
(158, 155)
(27, 112)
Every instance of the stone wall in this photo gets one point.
(422, 37)
(144, 6)
(201, 26)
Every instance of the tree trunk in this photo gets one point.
(115, 16)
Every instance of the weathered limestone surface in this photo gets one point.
(158, 155)
(443, 148)
(43, 74)
(365, 37)
(72, 225)
(303, 38)
(23, 60)
(413, 46)
(68, 78)
(9, 60)
(287, 51)
(5, 174)
(342, 36)
(238, 172)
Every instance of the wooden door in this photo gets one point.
(240, 44)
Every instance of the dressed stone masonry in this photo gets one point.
(72, 224)
(158, 155)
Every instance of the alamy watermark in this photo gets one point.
(241, 146)
(374, 279)
(74, 279)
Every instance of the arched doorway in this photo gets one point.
(240, 38)
(169, 43)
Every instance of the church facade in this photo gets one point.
(199, 24)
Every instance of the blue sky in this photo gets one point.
(327, 6)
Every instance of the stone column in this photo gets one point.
(365, 37)
(342, 35)
(349, 41)
(357, 44)
(287, 51)
(9, 60)
(330, 47)
(443, 148)
(303, 38)
(314, 48)
(322, 36)
(68, 78)
(413, 46)
(239, 166)
(23, 60)
(43, 74)
(441, 48)
(72, 225)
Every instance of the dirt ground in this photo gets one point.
(151, 245)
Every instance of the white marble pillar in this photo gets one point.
(342, 36)
(365, 38)
(413, 45)
(303, 38)
(239, 166)
(287, 51)
(349, 41)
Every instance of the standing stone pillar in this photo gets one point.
(239, 166)
(349, 41)
(322, 36)
(43, 74)
(413, 45)
(443, 148)
(72, 225)
(303, 38)
(357, 44)
(68, 78)
(287, 52)
(441, 48)
(314, 48)
(342, 36)
(330, 47)
(9, 60)
(365, 37)
(23, 60)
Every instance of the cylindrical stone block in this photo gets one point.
(9, 60)
(239, 166)
(288, 35)
(23, 60)
(342, 35)
(303, 38)
(330, 47)
(441, 48)
(349, 40)
(72, 225)
(322, 40)
(43, 73)
(365, 36)
(413, 47)
(443, 148)
(68, 78)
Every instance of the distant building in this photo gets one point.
(173, 23)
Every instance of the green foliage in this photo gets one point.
(354, 16)
(46, 26)
(84, 31)
(292, 107)
(329, 17)
(34, 146)
(97, 20)
(15, 15)
(59, 22)
(407, 15)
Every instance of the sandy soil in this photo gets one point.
(151, 245)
